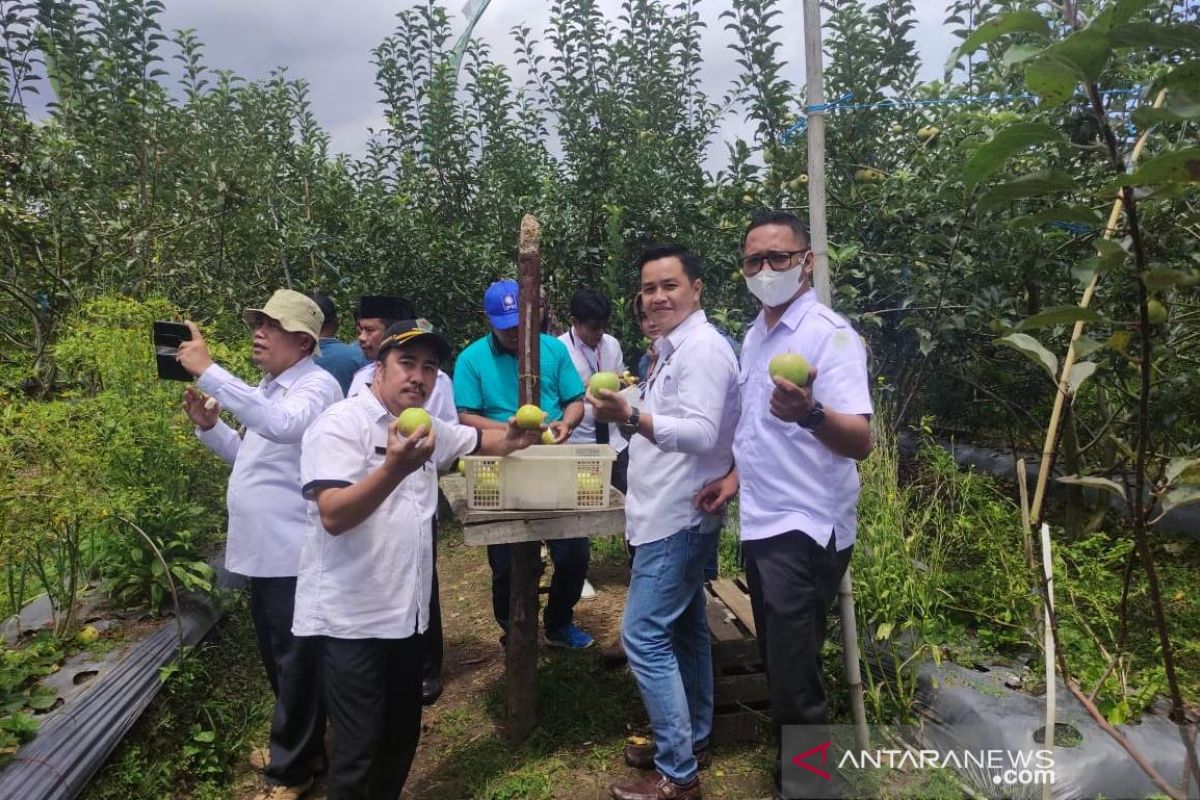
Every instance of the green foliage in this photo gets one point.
(20, 695)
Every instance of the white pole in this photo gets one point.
(819, 233)
(1048, 569)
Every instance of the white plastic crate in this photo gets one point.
(551, 476)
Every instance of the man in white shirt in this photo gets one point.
(796, 452)
(374, 314)
(594, 350)
(366, 567)
(267, 513)
(681, 438)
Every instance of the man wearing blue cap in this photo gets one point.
(486, 392)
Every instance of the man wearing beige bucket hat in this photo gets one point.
(268, 515)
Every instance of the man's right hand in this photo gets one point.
(713, 497)
(203, 410)
(406, 455)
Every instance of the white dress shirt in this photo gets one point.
(267, 515)
(588, 361)
(789, 480)
(373, 581)
(692, 395)
(440, 402)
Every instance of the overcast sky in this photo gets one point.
(329, 43)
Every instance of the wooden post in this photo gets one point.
(522, 650)
(819, 242)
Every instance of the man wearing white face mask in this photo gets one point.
(796, 449)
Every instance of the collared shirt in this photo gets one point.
(588, 361)
(485, 379)
(789, 480)
(341, 360)
(692, 395)
(373, 581)
(267, 515)
(440, 402)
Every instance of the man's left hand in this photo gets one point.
(193, 354)
(792, 403)
(609, 406)
(561, 431)
(518, 438)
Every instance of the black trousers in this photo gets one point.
(620, 472)
(793, 581)
(570, 557)
(434, 644)
(293, 666)
(373, 692)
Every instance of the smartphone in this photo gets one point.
(167, 336)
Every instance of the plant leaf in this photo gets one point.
(1184, 470)
(1077, 214)
(1006, 143)
(1059, 315)
(1180, 496)
(1034, 350)
(1080, 372)
(1149, 34)
(1033, 185)
(1158, 279)
(1085, 346)
(1095, 482)
(1176, 166)
(1023, 21)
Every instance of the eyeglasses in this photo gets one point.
(751, 265)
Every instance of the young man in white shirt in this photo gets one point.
(267, 513)
(366, 568)
(594, 350)
(680, 439)
(796, 452)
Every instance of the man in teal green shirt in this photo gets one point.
(486, 394)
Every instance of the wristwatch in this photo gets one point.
(815, 418)
(630, 426)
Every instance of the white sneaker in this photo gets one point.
(588, 592)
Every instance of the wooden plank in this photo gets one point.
(469, 516)
(454, 487)
(739, 726)
(738, 601)
(720, 626)
(740, 656)
(731, 690)
(606, 523)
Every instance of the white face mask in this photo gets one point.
(776, 288)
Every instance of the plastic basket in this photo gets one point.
(541, 477)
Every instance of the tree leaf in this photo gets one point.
(1111, 254)
(1118, 13)
(1006, 143)
(1035, 184)
(1149, 34)
(884, 630)
(1059, 315)
(1023, 21)
(1095, 482)
(1081, 215)
(1080, 372)
(1085, 346)
(1184, 471)
(1158, 279)
(1176, 166)
(1180, 496)
(1051, 80)
(1020, 53)
(1033, 349)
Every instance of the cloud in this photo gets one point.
(328, 44)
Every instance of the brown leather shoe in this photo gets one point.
(656, 787)
(613, 656)
(642, 756)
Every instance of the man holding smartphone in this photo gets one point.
(268, 516)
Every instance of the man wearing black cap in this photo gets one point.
(339, 359)
(366, 564)
(374, 315)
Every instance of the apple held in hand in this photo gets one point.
(529, 417)
(790, 366)
(547, 437)
(411, 419)
(604, 380)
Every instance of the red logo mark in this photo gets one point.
(800, 761)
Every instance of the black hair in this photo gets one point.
(590, 305)
(690, 261)
(328, 309)
(787, 218)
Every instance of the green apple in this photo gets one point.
(529, 417)
(88, 634)
(790, 366)
(411, 419)
(462, 467)
(548, 437)
(589, 482)
(604, 380)
(1156, 312)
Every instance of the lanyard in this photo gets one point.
(659, 365)
(583, 352)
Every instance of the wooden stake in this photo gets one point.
(819, 242)
(1051, 687)
(522, 649)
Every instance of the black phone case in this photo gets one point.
(167, 336)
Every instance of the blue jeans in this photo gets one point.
(665, 633)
